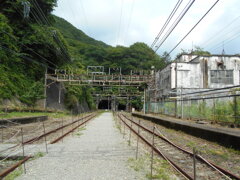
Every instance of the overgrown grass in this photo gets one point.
(224, 110)
(13, 175)
(79, 133)
(161, 170)
(29, 114)
(224, 154)
(38, 155)
(137, 164)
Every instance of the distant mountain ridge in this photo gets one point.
(72, 33)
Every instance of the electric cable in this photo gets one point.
(120, 23)
(193, 27)
(174, 25)
(167, 22)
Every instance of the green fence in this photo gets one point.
(216, 109)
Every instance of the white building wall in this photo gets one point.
(186, 57)
(196, 74)
(188, 75)
(229, 63)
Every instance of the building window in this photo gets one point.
(222, 76)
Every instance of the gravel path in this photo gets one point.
(99, 152)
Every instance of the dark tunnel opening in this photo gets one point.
(104, 104)
(122, 107)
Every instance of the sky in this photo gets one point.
(124, 22)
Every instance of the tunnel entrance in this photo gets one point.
(104, 104)
(122, 107)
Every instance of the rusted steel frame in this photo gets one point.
(9, 170)
(224, 171)
(158, 151)
(59, 138)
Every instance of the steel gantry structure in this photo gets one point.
(96, 77)
(113, 80)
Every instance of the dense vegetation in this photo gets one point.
(29, 45)
(91, 52)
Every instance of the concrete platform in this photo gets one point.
(23, 120)
(225, 136)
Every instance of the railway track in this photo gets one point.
(32, 140)
(37, 138)
(179, 158)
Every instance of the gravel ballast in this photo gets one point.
(98, 152)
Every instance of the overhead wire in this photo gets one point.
(30, 49)
(176, 22)
(193, 27)
(220, 32)
(25, 57)
(41, 19)
(129, 22)
(226, 41)
(44, 20)
(167, 22)
(85, 17)
(120, 23)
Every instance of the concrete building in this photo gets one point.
(195, 73)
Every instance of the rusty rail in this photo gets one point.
(47, 133)
(12, 168)
(186, 175)
(224, 171)
(61, 137)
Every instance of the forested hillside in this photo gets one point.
(91, 52)
(31, 44)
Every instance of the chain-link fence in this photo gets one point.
(212, 107)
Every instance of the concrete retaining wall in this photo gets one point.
(223, 136)
(23, 120)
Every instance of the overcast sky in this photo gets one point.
(141, 21)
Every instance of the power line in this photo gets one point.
(226, 41)
(85, 17)
(167, 22)
(45, 21)
(25, 57)
(179, 18)
(30, 49)
(193, 27)
(120, 23)
(130, 20)
(220, 32)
